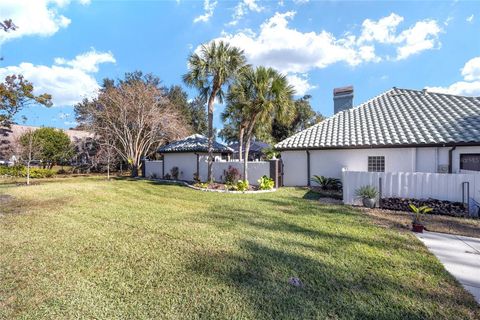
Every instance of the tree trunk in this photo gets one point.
(28, 172)
(134, 173)
(211, 101)
(240, 143)
(245, 159)
(250, 127)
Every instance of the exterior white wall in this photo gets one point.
(256, 169)
(154, 169)
(187, 166)
(330, 163)
(294, 168)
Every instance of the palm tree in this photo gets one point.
(234, 121)
(215, 65)
(263, 94)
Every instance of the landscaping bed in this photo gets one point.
(440, 207)
(437, 223)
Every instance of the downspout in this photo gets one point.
(450, 159)
(308, 168)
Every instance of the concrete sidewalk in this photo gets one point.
(460, 256)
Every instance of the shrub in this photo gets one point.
(367, 191)
(265, 183)
(242, 185)
(174, 172)
(231, 175)
(327, 183)
(167, 176)
(20, 171)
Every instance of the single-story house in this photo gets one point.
(190, 156)
(398, 130)
(256, 151)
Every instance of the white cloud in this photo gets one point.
(242, 8)
(470, 18)
(287, 49)
(209, 8)
(68, 81)
(470, 86)
(382, 31)
(300, 1)
(422, 36)
(300, 83)
(88, 61)
(34, 17)
(471, 69)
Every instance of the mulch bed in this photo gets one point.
(436, 223)
(221, 186)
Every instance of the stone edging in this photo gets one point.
(183, 183)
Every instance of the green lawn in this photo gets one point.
(85, 247)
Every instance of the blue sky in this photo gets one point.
(66, 47)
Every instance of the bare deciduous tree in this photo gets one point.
(30, 149)
(138, 117)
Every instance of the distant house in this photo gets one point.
(9, 138)
(190, 156)
(399, 130)
(256, 151)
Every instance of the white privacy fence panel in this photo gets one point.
(153, 169)
(256, 169)
(417, 185)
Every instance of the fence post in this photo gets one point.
(274, 171)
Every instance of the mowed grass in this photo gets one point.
(89, 248)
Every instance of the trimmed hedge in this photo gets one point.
(21, 171)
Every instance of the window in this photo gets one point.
(376, 164)
(470, 161)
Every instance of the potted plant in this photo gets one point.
(418, 213)
(368, 194)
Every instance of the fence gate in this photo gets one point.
(276, 172)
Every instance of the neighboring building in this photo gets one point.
(256, 151)
(399, 130)
(190, 156)
(9, 139)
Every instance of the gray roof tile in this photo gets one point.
(194, 143)
(396, 117)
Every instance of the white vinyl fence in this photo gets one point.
(416, 185)
(256, 169)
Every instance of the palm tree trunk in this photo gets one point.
(211, 101)
(245, 159)
(240, 143)
(250, 127)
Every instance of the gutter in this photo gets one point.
(450, 159)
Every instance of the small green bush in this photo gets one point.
(20, 171)
(242, 185)
(265, 183)
(327, 183)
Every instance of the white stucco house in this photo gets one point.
(398, 130)
(190, 156)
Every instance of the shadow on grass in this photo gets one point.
(260, 273)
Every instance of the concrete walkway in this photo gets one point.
(460, 256)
